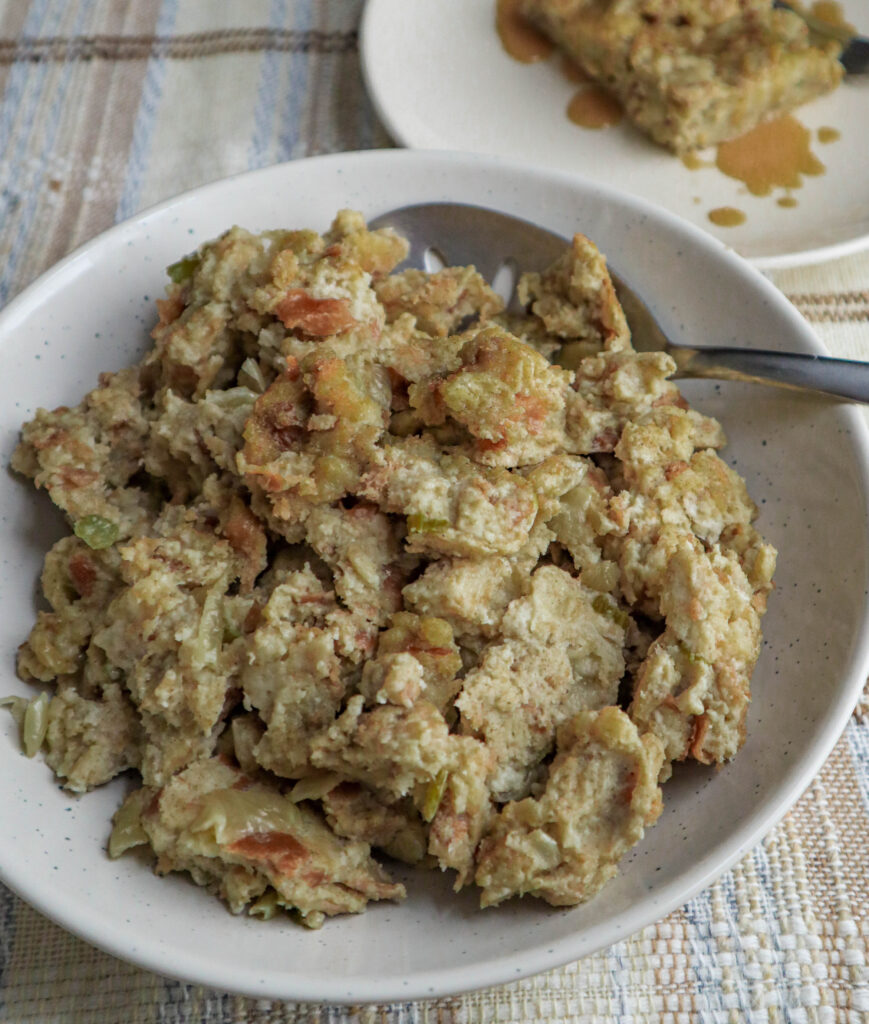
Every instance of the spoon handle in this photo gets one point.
(841, 378)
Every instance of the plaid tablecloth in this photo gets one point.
(108, 106)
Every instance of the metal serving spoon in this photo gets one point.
(502, 246)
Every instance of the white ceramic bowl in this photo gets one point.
(805, 461)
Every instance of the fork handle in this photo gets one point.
(841, 378)
(855, 49)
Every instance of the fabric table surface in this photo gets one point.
(107, 107)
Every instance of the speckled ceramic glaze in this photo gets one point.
(440, 78)
(805, 461)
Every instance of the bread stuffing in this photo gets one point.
(693, 73)
(362, 569)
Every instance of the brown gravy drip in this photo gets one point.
(726, 216)
(520, 39)
(773, 155)
(573, 72)
(787, 201)
(594, 108)
(827, 134)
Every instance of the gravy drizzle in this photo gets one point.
(519, 38)
(726, 216)
(594, 108)
(775, 154)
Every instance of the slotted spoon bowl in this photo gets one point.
(502, 246)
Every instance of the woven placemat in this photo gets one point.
(88, 136)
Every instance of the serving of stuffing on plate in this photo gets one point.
(363, 567)
(692, 73)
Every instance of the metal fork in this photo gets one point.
(457, 234)
(855, 49)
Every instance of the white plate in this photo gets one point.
(440, 79)
(92, 313)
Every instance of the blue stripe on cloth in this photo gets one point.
(790, 991)
(146, 117)
(368, 124)
(708, 990)
(290, 143)
(730, 931)
(173, 1006)
(369, 131)
(858, 741)
(19, 76)
(619, 976)
(24, 92)
(218, 1007)
(264, 113)
(7, 934)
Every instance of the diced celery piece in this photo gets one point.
(604, 605)
(434, 794)
(31, 716)
(184, 269)
(251, 376)
(35, 724)
(266, 906)
(96, 531)
(418, 523)
(127, 830)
